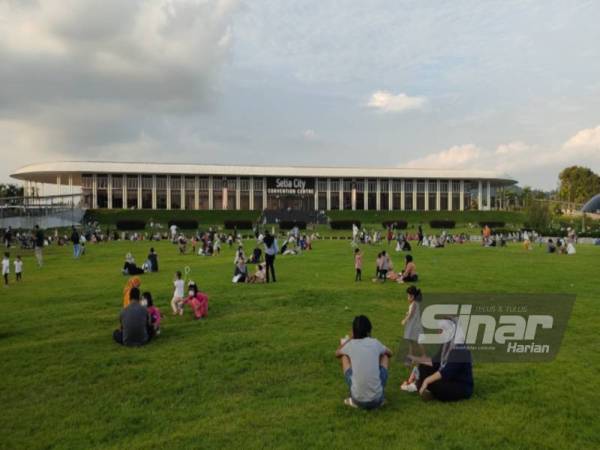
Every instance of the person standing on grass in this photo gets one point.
(136, 325)
(39, 245)
(365, 363)
(358, 260)
(271, 250)
(18, 268)
(75, 239)
(6, 268)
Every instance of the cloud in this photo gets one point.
(310, 135)
(587, 139)
(456, 157)
(385, 101)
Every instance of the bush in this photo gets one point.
(397, 224)
(130, 225)
(442, 224)
(238, 224)
(184, 224)
(343, 224)
(289, 224)
(492, 224)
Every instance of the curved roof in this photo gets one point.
(593, 205)
(48, 172)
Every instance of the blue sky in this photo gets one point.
(509, 85)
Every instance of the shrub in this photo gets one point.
(238, 224)
(184, 224)
(397, 224)
(343, 224)
(492, 224)
(289, 224)
(442, 224)
(130, 225)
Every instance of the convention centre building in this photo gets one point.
(119, 185)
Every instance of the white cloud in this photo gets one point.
(385, 101)
(456, 157)
(586, 139)
(310, 134)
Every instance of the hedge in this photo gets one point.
(492, 224)
(238, 224)
(442, 224)
(397, 224)
(130, 225)
(289, 224)
(184, 224)
(343, 224)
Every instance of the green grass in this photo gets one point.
(260, 371)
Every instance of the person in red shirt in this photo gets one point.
(197, 300)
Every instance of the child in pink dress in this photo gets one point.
(154, 312)
(197, 300)
(358, 257)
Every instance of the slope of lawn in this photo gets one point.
(259, 372)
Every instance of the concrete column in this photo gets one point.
(402, 193)
(182, 192)
(251, 194)
(71, 202)
(210, 193)
(341, 189)
(108, 190)
(426, 195)
(328, 194)
(154, 193)
(450, 187)
(366, 194)
(94, 191)
(390, 195)
(168, 191)
(479, 196)
(59, 185)
(264, 193)
(353, 196)
(462, 195)
(139, 192)
(489, 195)
(414, 195)
(316, 196)
(238, 195)
(124, 188)
(225, 195)
(438, 196)
(196, 193)
(378, 196)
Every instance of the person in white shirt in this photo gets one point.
(177, 300)
(18, 268)
(6, 267)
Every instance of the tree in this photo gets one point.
(578, 184)
(538, 215)
(11, 190)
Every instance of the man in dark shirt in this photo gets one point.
(136, 326)
(39, 245)
(75, 239)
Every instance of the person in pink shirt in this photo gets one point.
(197, 300)
(358, 258)
(155, 315)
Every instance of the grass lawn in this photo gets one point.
(260, 371)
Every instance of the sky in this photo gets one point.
(510, 86)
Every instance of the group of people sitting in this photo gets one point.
(561, 247)
(240, 272)
(140, 319)
(150, 265)
(384, 268)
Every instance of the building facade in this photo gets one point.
(114, 185)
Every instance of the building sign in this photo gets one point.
(286, 185)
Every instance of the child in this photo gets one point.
(378, 263)
(358, 256)
(19, 268)
(154, 312)
(6, 267)
(198, 301)
(412, 321)
(177, 301)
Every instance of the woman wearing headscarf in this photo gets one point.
(133, 282)
(448, 376)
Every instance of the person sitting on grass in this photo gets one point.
(153, 261)
(197, 300)
(155, 315)
(365, 363)
(409, 274)
(241, 271)
(136, 327)
(259, 276)
(130, 267)
(256, 255)
(133, 282)
(448, 376)
(550, 247)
